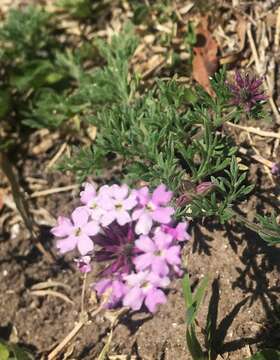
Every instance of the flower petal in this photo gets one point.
(162, 240)
(67, 244)
(159, 266)
(80, 216)
(137, 213)
(108, 218)
(143, 261)
(154, 298)
(145, 244)
(91, 228)
(134, 298)
(122, 217)
(161, 196)
(119, 192)
(84, 244)
(144, 224)
(88, 194)
(143, 195)
(130, 202)
(173, 255)
(63, 228)
(163, 215)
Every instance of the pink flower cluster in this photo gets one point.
(133, 233)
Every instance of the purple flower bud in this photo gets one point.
(204, 187)
(83, 264)
(275, 170)
(183, 200)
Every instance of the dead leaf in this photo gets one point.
(205, 62)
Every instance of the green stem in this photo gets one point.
(253, 226)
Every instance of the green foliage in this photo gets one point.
(25, 33)
(9, 351)
(80, 9)
(167, 136)
(112, 83)
(192, 303)
(270, 229)
(229, 189)
(50, 109)
(46, 82)
(268, 354)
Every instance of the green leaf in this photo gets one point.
(193, 302)
(201, 290)
(187, 290)
(20, 353)
(4, 352)
(268, 354)
(5, 102)
(193, 345)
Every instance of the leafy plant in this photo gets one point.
(81, 9)
(9, 351)
(192, 303)
(267, 354)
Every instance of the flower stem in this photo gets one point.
(83, 293)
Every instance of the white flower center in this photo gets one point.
(78, 231)
(118, 206)
(150, 207)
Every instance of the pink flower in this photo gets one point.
(159, 253)
(88, 193)
(76, 233)
(83, 264)
(152, 208)
(143, 288)
(178, 233)
(95, 202)
(115, 289)
(117, 206)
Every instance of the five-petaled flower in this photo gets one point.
(159, 253)
(76, 233)
(113, 288)
(117, 205)
(152, 208)
(144, 287)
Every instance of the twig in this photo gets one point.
(153, 68)
(277, 31)
(256, 131)
(258, 68)
(52, 293)
(57, 156)
(258, 158)
(114, 322)
(66, 340)
(49, 283)
(22, 206)
(74, 332)
(53, 191)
